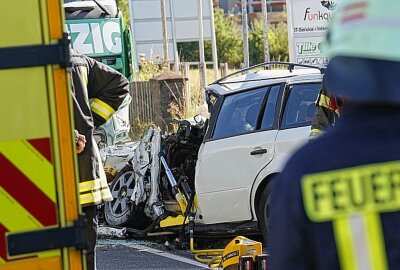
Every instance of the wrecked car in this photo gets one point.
(218, 171)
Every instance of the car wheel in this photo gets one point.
(119, 211)
(264, 211)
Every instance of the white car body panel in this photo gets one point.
(287, 142)
(229, 159)
(228, 177)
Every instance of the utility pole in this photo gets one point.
(213, 41)
(265, 30)
(203, 80)
(176, 56)
(245, 34)
(165, 36)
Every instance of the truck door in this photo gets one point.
(40, 224)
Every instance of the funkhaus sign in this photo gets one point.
(307, 24)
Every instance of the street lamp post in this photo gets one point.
(245, 34)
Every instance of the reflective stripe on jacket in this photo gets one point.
(328, 111)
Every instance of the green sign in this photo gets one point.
(96, 37)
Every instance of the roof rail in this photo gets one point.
(290, 66)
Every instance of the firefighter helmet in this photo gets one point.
(362, 44)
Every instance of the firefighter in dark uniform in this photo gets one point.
(97, 92)
(329, 107)
(336, 205)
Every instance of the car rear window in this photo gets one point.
(300, 106)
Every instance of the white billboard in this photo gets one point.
(182, 25)
(307, 25)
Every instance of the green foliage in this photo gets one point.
(229, 39)
(138, 128)
(188, 51)
(148, 70)
(229, 42)
(124, 8)
(277, 40)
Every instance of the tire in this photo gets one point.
(120, 212)
(264, 211)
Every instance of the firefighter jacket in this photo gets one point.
(328, 111)
(341, 210)
(97, 92)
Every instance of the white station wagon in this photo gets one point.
(257, 119)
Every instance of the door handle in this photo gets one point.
(258, 151)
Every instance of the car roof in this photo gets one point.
(258, 78)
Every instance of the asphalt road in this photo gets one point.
(118, 254)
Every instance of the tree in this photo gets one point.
(277, 39)
(228, 38)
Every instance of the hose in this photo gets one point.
(204, 255)
(211, 257)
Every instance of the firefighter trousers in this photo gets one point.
(91, 215)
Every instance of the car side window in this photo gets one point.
(239, 113)
(270, 107)
(300, 105)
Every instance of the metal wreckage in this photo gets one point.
(155, 189)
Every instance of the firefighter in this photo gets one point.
(97, 92)
(336, 205)
(329, 107)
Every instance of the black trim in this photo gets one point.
(53, 238)
(261, 111)
(213, 118)
(36, 55)
(278, 107)
(283, 100)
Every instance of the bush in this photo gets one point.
(148, 70)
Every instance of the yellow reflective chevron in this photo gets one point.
(30, 162)
(101, 108)
(14, 216)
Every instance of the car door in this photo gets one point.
(296, 117)
(241, 143)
